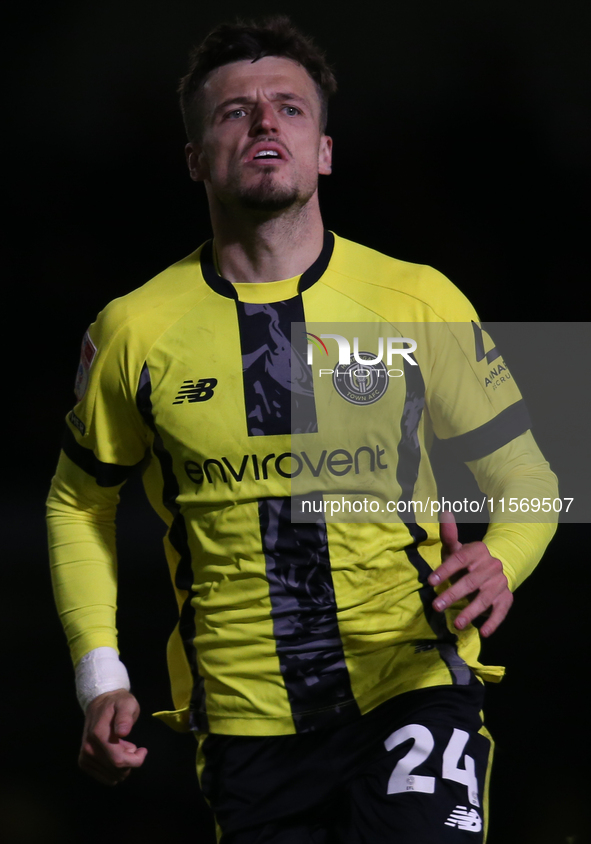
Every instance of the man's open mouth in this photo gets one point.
(266, 151)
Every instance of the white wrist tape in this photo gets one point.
(99, 671)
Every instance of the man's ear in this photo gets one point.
(325, 155)
(195, 162)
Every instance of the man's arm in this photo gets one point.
(81, 526)
(491, 570)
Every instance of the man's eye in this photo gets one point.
(291, 111)
(235, 113)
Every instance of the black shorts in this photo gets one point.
(412, 771)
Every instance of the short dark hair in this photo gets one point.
(231, 42)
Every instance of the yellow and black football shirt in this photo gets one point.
(284, 626)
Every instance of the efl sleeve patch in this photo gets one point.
(87, 355)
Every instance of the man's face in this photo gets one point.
(261, 146)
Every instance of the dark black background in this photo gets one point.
(462, 140)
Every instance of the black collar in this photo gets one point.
(227, 289)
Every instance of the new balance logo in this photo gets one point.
(469, 821)
(200, 391)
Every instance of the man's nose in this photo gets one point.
(265, 120)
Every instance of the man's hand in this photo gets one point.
(478, 575)
(105, 754)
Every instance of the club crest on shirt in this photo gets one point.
(87, 355)
(361, 384)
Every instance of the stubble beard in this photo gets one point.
(267, 196)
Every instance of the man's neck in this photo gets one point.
(248, 249)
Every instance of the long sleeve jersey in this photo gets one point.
(244, 403)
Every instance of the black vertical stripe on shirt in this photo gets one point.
(179, 541)
(278, 383)
(279, 399)
(407, 473)
(304, 614)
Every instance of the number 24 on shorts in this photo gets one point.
(401, 779)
